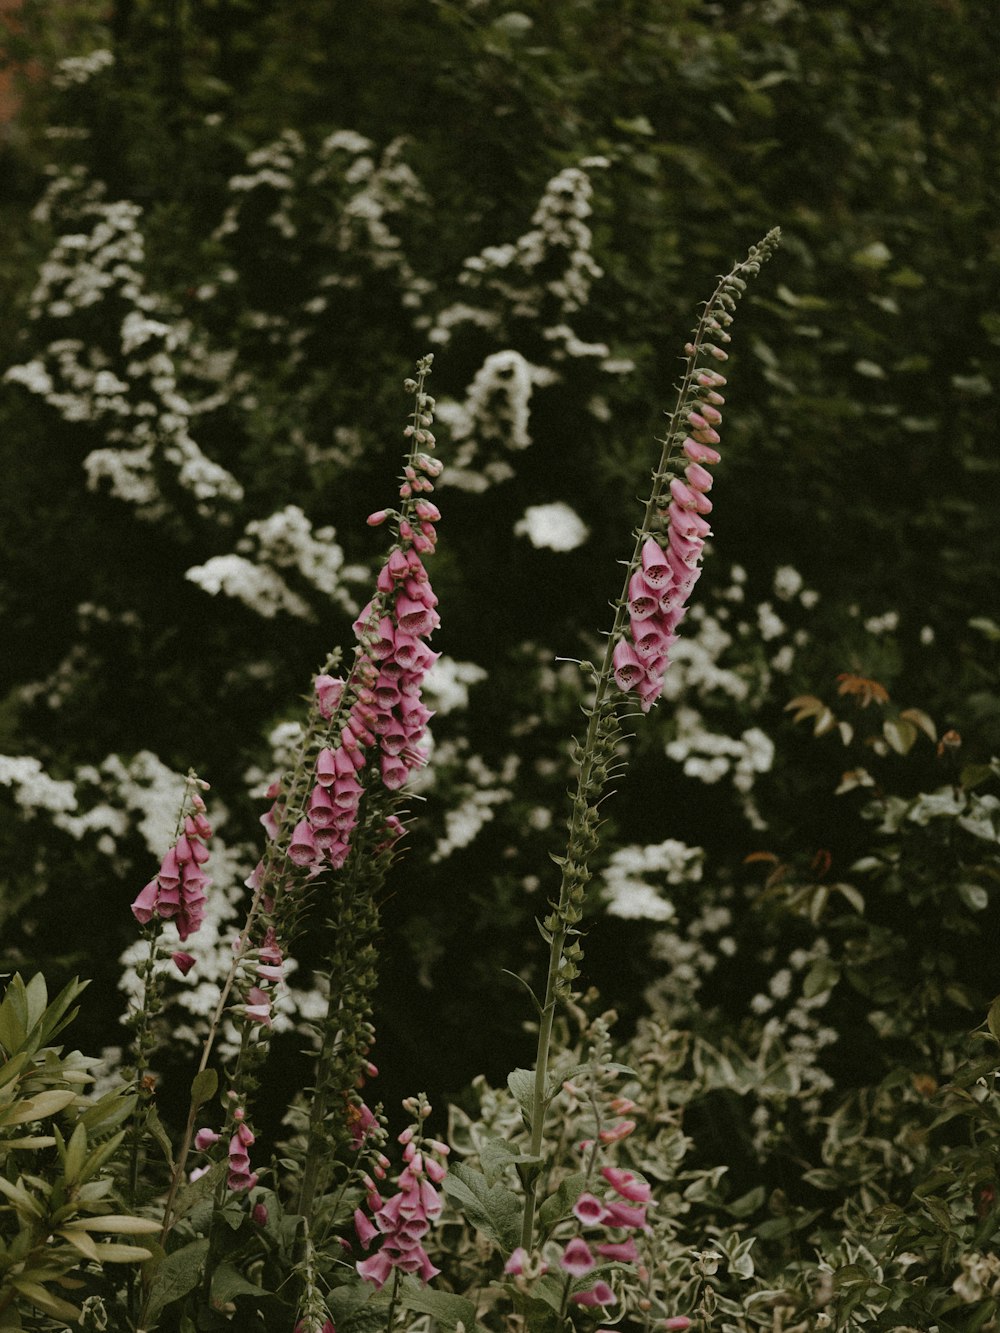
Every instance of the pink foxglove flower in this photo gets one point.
(177, 893)
(240, 1176)
(402, 1222)
(626, 1184)
(577, 1258)
(378, 708)
(599, 1294)
(665, 566)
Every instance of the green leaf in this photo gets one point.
(76, 1151)
(154, 1126)
(443, 1306)
(974, 896)
(37, 1107)
(203, 1087)
(747, 1203)
(900, 734)
(45, 1301)
(110, 1252)
(492, 1209)
(993, 1018)
(560, 1205)
(495, 1156)
(12, 1068)
(122, 1224)
(20, 1198)
(522, 1085)
(179, 1273)
(228, 1282)
(920, 719)
(822, 976)
(199, 1189)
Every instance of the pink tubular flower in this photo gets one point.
(515, 1264)
(677, 1321)
(240, 1176)
(577, 1258)
(402, 1223)
(177, 893)
(626, 1184)
(589, 1210)
(628, 666)
(258, 1006)
(669, 569)
(617, 1132)
(599, 1294)
(205, 1138)
(622, 1250)
(621, 1215)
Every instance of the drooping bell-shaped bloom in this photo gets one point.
(177, 892)
(577, 1258)
(599, 1294)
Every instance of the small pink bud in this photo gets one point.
(183, 962)
(698, 478)
(699, 452)
(617, 1132)
(259, 1214)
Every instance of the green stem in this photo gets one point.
(596, 751)
(391, 1317)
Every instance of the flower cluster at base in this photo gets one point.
(620, 1219)
(406, 1218)
(177, 892)
(658, 591)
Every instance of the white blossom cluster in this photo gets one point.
(494, 415)
(559, 239)
(709, 671)
(516, 290)
(447, 683)
(129, 389)
(554, 527)
(108, 803)
(793, 1036)
(359, 194)
(629, 892)
(690, 952)
(475, 792)
(75, 71)
(31, 786)
(284, 544)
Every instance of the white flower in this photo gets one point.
(787, 582)
(554, 526)
(33, 788)
(448, 681)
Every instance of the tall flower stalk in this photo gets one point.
(662, 571)
(333, 813)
